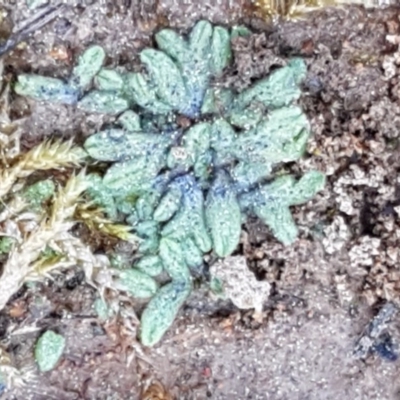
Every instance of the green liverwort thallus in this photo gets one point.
(186, 191)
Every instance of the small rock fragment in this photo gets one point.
(239, 283)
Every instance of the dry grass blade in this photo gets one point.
(47, 155)
(23, 256)
(95, 220)
(66, 201)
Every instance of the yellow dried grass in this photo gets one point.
(95, 220)
(21, 261)
(45, 156)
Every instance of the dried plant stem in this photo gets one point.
(21, 259)
(47, 155)
(95, 220)
(66, 201)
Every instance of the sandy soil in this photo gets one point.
(326, 287)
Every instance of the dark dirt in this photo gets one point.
(326, 287)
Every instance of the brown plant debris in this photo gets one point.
(156, 391)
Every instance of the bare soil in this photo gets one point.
(326, 287)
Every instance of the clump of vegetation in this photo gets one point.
(187, 191)
(36, 219)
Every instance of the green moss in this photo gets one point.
(6, 244)
(48, 350)
(37, 194)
